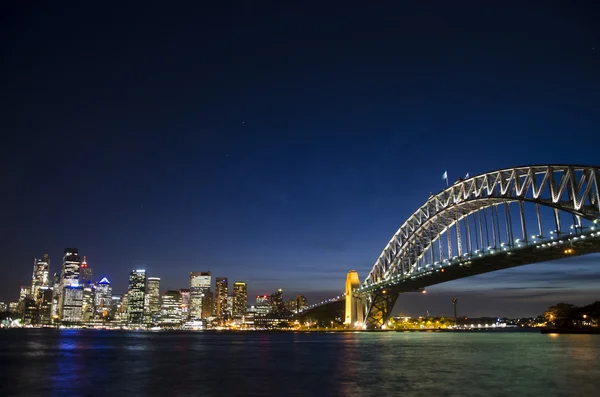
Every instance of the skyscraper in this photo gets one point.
(221, 288)
(70, 268)
(240, 293)
(135, 296)
(170, 309)
(153, 299)
(301, 303)
(69, 276)
(103, 298)
(277, 305)
(199, 288)
(72, 302)
(39, 278)
(85, 272)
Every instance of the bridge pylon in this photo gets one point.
(354, 306)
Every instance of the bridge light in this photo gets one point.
(442, 270)
(424, 291)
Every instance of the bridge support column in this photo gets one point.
(354, 305)
(380, 307)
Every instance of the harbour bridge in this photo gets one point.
(493, 221)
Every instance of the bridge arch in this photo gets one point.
(471, 223)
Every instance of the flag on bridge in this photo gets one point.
(445, 176)
(467, 176)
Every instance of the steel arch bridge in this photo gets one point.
(493, 221)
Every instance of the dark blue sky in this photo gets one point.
(282, 144)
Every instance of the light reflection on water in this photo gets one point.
(86, 362)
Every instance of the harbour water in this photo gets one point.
(44, 362)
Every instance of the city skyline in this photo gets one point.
(278, 148)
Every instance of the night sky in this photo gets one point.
(283, 144)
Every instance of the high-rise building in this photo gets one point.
(290, 305)
(39, 278)
(135, 296)
(240, 293)
(69, 276)
(277, 305)
(170, 308)
(230, 299)
(263, 304)
(301, 303)
(103, 299)
(3, 307)
(71, 303)
(221, 289)
(45, 305)
(207, 304)
(185, 302)
(199, 287)
(70, 267)
(153, 300)
(55, 296)
(25, 292)
(85, 273)
(88, 302)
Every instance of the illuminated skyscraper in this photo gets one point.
(170, 309)
(55, 295)
(240, 293)
(199, 287)
(72, 302)
(104, 302)
(70, 267)
(39, 278)
(45, 305)
(207, 304)
(263, 304)
(135, 296)
(69, 276)
(153, 299)
(221, 288)
(85, 273)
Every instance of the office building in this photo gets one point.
(153, 300)
(55, 296)
(240, 293)
(39, 278)
(200, 283)
(70, 267)
(88, 302)
(170, 308)
(3, 307)
(207, 304)
(277, 305)
(45, 295)
(263, 304)
(301, 303)
(71, 303)
(135, 297)
(85, 273)
(290, 305)
(221, 289)
(103, 299)
(25, 292)
(185, 302)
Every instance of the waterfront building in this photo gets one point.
(263, 304)
(153, 300)
(135, 297)
(170, 308)
(71, 303)
(240, 301)
(55, 295)
(185, 302)
(3, 307)
(88, 302)
(39, 278)
(116, 308)
(13, 307)
(230, 300)
(45, 305)
(301, 303)
(200, 283)
(221, 291)
(103, 299)
(207, 304)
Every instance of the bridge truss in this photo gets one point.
(500, 219)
